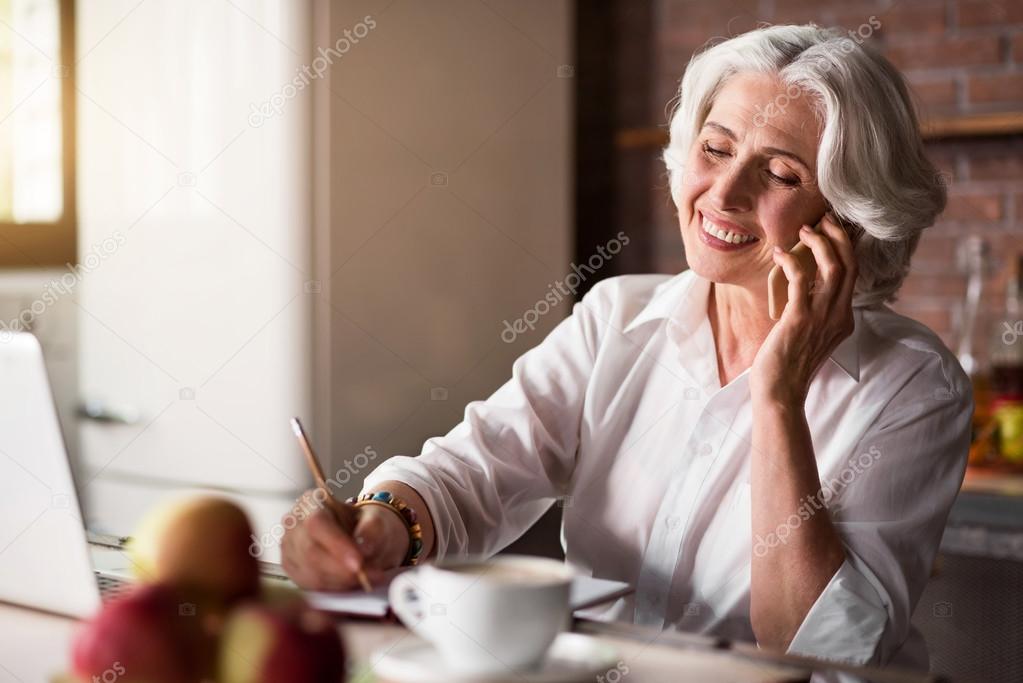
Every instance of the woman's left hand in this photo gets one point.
(817, 317)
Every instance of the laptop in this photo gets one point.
(46, 559)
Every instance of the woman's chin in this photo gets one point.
(723, 271)
(714, 274)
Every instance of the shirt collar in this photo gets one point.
(683, 301)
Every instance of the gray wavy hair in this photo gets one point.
(871, 166)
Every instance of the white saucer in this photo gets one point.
(572, 657)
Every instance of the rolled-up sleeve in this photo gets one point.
(492, 476)
(891, 516)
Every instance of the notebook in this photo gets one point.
(586, 591)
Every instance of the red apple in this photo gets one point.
(200, 544)
(149, 635)
(288, 641)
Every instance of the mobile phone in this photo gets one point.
(778, 284)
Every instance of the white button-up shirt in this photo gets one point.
(619, 415)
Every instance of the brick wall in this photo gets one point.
(960, 56)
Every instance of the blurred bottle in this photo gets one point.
(1006, 354)
(973, 261)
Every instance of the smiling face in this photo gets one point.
(749, 187)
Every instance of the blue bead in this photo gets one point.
(382, 496)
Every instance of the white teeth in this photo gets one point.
(725, 235)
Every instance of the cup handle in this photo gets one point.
(406, 601)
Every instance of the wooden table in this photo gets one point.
(34, 647)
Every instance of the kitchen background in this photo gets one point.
(241, 249)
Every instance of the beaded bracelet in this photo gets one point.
(408, 517)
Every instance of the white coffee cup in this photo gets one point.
(486, 615)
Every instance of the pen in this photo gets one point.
(344, 514)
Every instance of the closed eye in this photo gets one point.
(781, 180)
(716, 152)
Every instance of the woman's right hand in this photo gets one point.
(318, 554)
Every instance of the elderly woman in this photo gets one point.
(784, 481)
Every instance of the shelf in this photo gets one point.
(993, 482)
(935, 128)
(973, 125)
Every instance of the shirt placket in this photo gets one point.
(681, 498)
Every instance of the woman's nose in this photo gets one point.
(732, 190)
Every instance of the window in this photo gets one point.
(36, 133)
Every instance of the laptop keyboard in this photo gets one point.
(111, 586)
